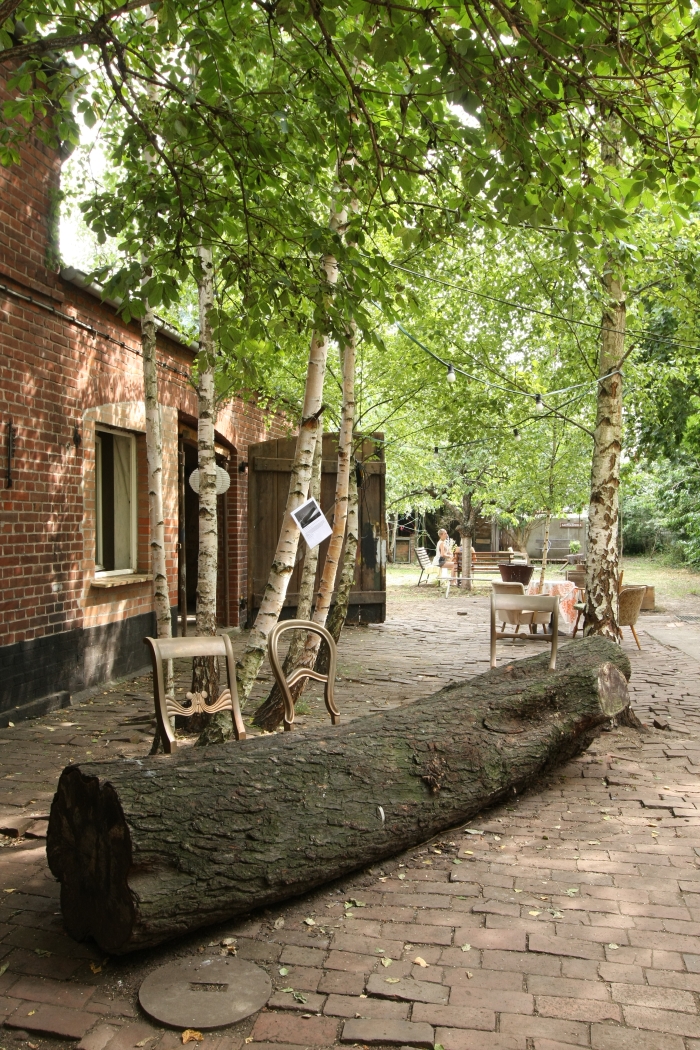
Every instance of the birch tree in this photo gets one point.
(205, 670)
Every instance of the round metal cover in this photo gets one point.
(205, 993)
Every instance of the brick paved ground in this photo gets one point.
(569, 918)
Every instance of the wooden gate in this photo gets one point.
(269, 468)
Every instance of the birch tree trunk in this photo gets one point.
(270, 713)
(205, 670)
(602, 558)
(288, 542)
(602, 561)
(339, 612)
(545, 549)
(305, 602)
(154, 456)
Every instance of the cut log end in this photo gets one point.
(150, 849)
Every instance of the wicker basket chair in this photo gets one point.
(630, 605)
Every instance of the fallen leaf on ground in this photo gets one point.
(9, 891)
(469, 975)
(248, 1039)
(3, 968)
(279, 923)
(144, 1041)
(469, 852)
(283, 971)
(594, 842)
(518, 891)
(191, 1035)
(534, 913)
(572, 892)
(286, 989)
(392, 980)
(387, 962)
(31, 1013)
(310, 922)
(421, 962)
(613, 946)
(33, 1046)
(300, 997)
(466, 947)
(95, 967)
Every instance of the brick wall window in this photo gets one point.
(116, 503)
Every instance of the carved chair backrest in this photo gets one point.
(285, 683)
(163, 649)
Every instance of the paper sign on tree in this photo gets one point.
(312, 522)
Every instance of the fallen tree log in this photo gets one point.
(152, 848)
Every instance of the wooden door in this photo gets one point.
(269, 468)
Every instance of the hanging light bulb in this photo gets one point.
(539, 403)
(451, 377)
(516, 434)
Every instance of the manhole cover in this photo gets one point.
(205, 993)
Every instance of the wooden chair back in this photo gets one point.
(285, 683)
(167, 707)
(423, 557)
(525, 603)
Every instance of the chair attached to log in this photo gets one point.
(285, 683)
(524, 605)
(630, 605)
(167, 707)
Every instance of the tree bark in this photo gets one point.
(271, 712)
(338, 614)
(602, 558)
(285, 554)
(151, 851)
(154, 459)
(205, 670)
(305, 604)
(545, 549)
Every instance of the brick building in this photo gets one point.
(75, 584)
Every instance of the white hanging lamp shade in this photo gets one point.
(223, 481)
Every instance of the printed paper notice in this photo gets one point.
(312, 522)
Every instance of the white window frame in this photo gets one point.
(133, 553)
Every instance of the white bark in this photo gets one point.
(545, 549)
(602, 561)
(339, 612)
(154, 458)
(285, 554)
(205, 670)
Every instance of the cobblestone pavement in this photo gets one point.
(568, 918)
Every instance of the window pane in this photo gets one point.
(122, 502)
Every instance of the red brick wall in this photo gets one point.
(58, 377)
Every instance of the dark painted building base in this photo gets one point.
(36, 672)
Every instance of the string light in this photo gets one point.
(539, 403)
(516, 434)
(451, 377)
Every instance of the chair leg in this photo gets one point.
(635, 636)
(578, 620)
